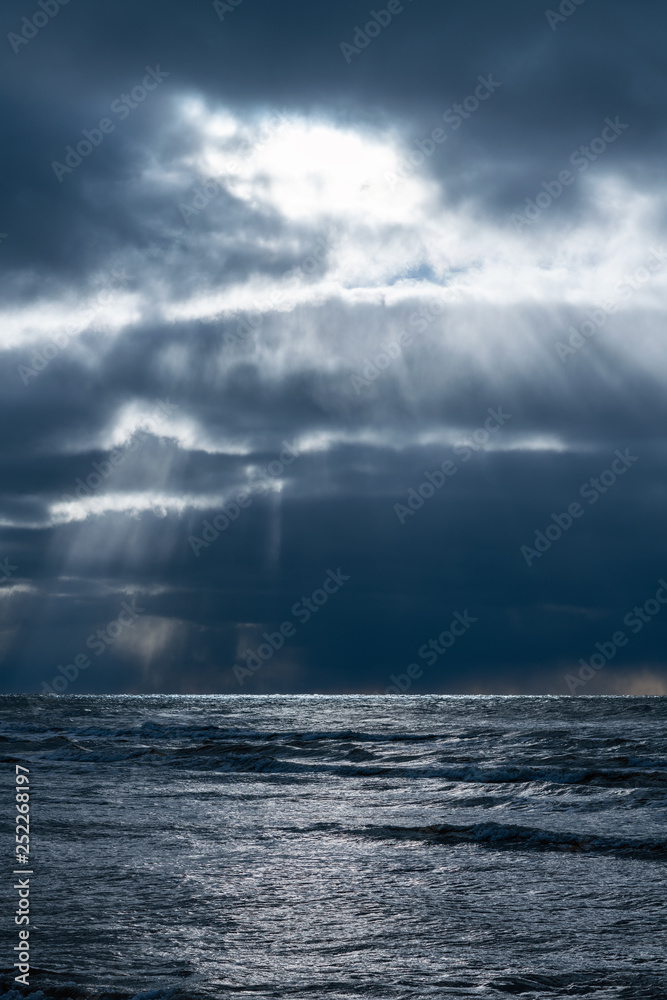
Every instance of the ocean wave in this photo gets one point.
(46, 985)
(576, 983)
(281, 758)
(508, 836)
(580, 984)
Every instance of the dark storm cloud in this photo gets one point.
(161, 294)
(468, 539)
(557, 86)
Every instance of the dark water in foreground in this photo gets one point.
(319, 847)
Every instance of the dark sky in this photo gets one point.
(396, 283)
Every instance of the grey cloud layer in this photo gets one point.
(170, 331)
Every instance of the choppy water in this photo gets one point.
(320, 847)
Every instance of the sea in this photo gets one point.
(350, 847)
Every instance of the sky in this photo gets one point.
(332, 346)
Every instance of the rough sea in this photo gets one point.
(348, 847)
